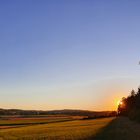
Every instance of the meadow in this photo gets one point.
(116, 128)
(18, 121)
(74, 130)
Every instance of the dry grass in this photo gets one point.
(120, 129)
(99, 129)
(33, 121)
(71, 130)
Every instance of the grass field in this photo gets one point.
(74, 130)
(120, 129)
(15, 121)
(98, 129)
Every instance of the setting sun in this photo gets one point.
(119, 102)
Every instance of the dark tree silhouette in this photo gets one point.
(130, 106)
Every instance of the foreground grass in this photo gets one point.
(120, 129)
(71, 130)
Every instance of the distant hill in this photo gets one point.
(58, 112)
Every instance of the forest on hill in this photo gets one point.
(89, 114)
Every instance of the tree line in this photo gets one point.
(130, 106)
(29, 113)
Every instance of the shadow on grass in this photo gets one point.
(121, 128)
(111, 131)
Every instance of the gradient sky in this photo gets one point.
(68, 54)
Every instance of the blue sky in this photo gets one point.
(76, 54)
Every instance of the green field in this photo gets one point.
(98, 129)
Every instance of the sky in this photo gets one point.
(68, 54)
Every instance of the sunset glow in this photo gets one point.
(68, 55)
(119, 102)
